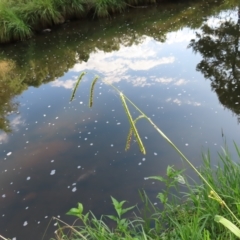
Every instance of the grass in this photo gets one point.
(190, 215)
(20, 19)
(207, 209)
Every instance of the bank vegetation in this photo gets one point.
(21, 19)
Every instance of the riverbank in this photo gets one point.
(190, 214)
(20, 20)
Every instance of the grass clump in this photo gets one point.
(187, 215)
(12, 25)
(203, 210)
(20, 19)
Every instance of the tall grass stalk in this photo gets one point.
(212, 193)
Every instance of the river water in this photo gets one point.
(179, 63)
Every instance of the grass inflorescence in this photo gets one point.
(20, 19)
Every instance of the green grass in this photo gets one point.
(19, 19)
(12, 24)
(206, 209)
(187, 216)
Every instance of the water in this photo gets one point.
(55, 153)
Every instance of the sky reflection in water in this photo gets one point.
(61, 153)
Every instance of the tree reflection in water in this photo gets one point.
(219, 47)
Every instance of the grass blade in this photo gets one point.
(232, 227)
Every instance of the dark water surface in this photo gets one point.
(180, 65)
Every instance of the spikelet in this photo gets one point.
(129, 137)
(132, 124)
(77, 84)
(91, 91)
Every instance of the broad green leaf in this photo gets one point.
(232, 227)
(117, 206)
(121, 203)
(80, 208)
(115, 202)
(74, 212)
(127, 209)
